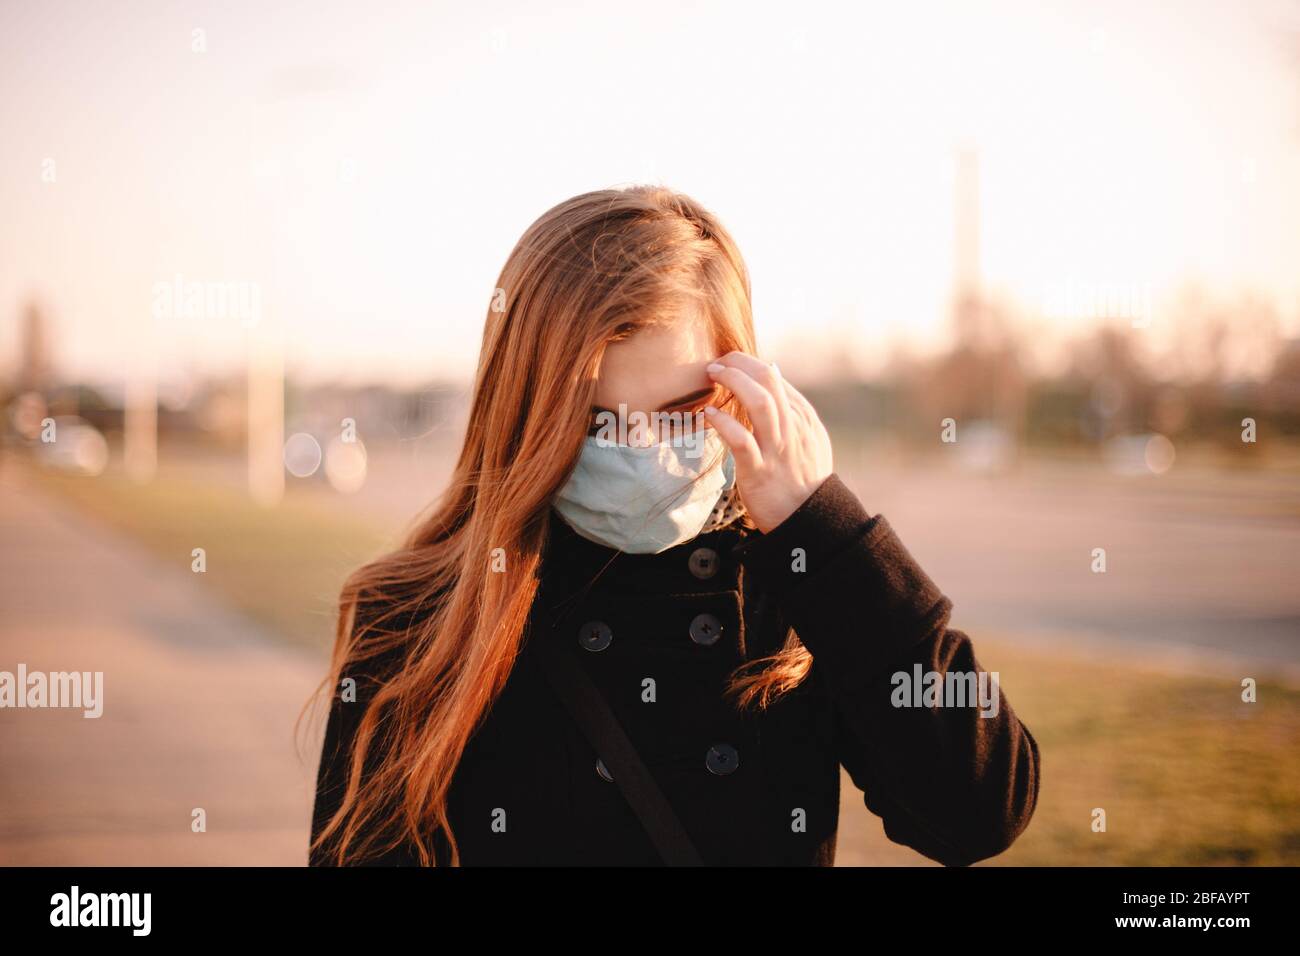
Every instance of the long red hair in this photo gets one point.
(592, 270)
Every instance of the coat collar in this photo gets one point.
(572, 564)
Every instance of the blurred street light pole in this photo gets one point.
(265, 416)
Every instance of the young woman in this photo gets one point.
(706, 587)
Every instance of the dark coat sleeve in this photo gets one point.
(952, 784)
(336, 756)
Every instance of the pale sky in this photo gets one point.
(368, 167)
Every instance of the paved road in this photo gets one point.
(198, 707)
(1199, 566)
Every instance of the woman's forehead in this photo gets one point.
(655, 366)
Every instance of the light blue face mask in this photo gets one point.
(643, 500)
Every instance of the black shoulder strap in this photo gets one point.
(593, 715)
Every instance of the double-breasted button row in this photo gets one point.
(720, 759)
(596, 635)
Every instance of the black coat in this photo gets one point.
(952, 784)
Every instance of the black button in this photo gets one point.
(705, 629)
(603, 770)
(595, 635)
(722, 759)
(703, 563)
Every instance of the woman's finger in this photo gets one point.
(767, 375)
(797, 400)
(799, 406)
(738, 438)
(758, 402)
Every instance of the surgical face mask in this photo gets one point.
(643, 500)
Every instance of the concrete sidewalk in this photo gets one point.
(199, 706)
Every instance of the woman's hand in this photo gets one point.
(787, 456)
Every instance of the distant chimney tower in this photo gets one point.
(34, 364)
(966, 286)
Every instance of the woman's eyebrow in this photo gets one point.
(672, 403)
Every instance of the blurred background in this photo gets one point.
(1035, 264)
